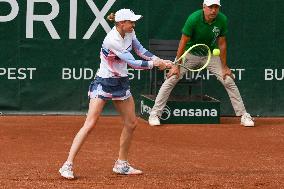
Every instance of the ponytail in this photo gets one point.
(111, 17)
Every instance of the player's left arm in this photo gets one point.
(141, 51)
(222, 44)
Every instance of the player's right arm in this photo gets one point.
(127, 57)
(141, 64)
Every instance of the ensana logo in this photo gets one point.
(195, 112)
(166, 113)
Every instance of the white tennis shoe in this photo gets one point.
(154, 120)
(124, 168)
(247, 120)
(66, 171)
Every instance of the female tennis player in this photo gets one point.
(112, 83)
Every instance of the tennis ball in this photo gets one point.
(216, 52)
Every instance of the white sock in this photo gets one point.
(121, 161)
(68, 163)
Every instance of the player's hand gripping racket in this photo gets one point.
(200, 50)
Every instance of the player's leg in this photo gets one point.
(95, 108)
(126, 108)
(215, 67)
(165, 91)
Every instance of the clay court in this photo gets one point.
(226, 155)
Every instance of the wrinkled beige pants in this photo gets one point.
(215, 67)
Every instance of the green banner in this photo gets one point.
(50, 51)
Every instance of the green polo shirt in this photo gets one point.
(200, 31)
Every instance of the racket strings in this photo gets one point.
(199, 51)
(195, 58)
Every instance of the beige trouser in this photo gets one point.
(215, 67)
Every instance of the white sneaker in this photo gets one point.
(247, 120)
(66, 171)
(154, 120)
(124, 168)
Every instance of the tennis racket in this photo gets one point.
(200, 50)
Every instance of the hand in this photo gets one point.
(174, 71)
(227, 72)
(169, 64)
(161, 64)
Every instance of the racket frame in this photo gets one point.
(182, 57)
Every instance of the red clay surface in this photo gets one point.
(172, 156)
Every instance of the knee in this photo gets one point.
(89, 124)
(228, 82)
(131, 124)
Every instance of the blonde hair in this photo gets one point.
(111, 17)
